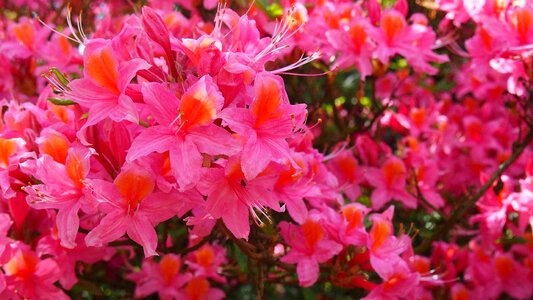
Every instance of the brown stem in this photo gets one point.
(195, 246)
(248, 249)
(421, 196)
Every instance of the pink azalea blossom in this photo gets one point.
(265, 127)
(232, 197)
(389, 183)
(102, 89)
(27, 276)
(399, 282)
(383, 246)
(164, 277)
(130, 206)
(206, 262)
(185, 128)
(317, 248)
(63, 188)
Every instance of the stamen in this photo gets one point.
(221, 10)
(456, 49)
(100, 197)
(444, 41)
(280, 35)
(300, 62)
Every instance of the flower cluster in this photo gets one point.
(203, 150)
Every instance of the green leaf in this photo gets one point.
(89, 287)
(308, 294)
(365, 101)
(62, 102)
(242, 259)
(275, 10)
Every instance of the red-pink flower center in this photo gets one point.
(486, 38)
(393, 170)
(312, 232)
(522, 20)
(358, 36)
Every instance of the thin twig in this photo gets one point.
(195, 246)
(461, 211)
(421, 196)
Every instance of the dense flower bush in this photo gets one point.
(299, 149)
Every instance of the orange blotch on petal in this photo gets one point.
(7, 148)
(486, 38)
(290, 176)
(134, 187)
(25, 34)
(393, 281)
(504, 266)
(23, 265)
(60, 112)
(169, 267)
(75, 169)
(166, 167)
(205, 256)
(102, 68)
(198, 108)
(422, 265)
(418, 115)
(348, 167)
(197, 288)
(64, 45)
(379, 233)
(354, 216)
(267, 102)
(234, 171)
(56, 146)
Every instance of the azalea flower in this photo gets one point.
(103, 87)
(317, 248)
(185, 128)
(164, 277)
(131, 206)
(389, 183)
(265, 126)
